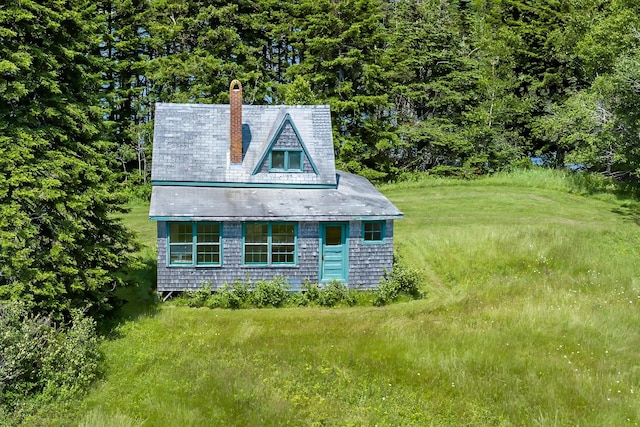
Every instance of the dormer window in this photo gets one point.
(286, 160)
(285, 151)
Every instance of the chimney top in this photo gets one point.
(235, 86)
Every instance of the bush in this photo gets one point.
(335, 293)
(199, 297)
(270, 293)
(232, 296)
(401, 280)
(386, 293)
(311, 292)
(39, 359)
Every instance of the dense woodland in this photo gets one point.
(467, 86)
(443, 86)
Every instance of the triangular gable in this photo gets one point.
(286, 138)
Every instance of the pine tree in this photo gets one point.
(341, 45)
(198, 46)
(434, 84)
(126, 49)
(61, 244)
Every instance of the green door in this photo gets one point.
(333, 260)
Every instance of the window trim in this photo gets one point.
(383, 227)
(270, 245)
(194, 245)
(286, 167)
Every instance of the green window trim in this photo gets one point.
(373, 232)
(270, 243)
(192, 244)
(286, 160)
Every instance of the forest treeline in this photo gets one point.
(454, 87)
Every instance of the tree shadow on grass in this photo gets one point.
(136, 300)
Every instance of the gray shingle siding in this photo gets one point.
(171, 278)
(367, 262)
(288, 139)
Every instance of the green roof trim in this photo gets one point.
(276, 136)
(237, 184)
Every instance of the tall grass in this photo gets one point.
(531, 319)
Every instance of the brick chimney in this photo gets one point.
(235, 108)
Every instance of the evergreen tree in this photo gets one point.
(198, 46)
(61, 244)
(434, 84)
(129, 110)
(341, 46)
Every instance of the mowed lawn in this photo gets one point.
(531, 317)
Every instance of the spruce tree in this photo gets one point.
(341, 46)
(61, 243)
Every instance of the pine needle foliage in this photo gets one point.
(61, 246)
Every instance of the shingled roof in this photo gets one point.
(191, 145)
(194, 178)
(354, 198)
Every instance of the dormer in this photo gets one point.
(285, 151)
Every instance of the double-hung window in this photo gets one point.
(286, 160)
(373, 231)
(268, 243)
(195, 243)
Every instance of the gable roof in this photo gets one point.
(191, 146)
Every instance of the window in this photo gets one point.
(269, 243)
(200, 238)
(286, 160)
(256, 243)
(373, 231)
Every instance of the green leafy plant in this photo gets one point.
(44, 360)
(401, 280)
(199, 297)
(232, 296)
(311, 292)
(270, 293)
(335, 293)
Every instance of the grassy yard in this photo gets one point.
(532, 318)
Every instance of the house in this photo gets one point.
(251, 192)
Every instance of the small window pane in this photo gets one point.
(373, 231)
(255, 254)
(180, 254)
(282, 254)
(333, 235)
(283, 233)
(208, 233)
(277, 160)
(180, 233)
(295, 160)
(256, 233)
(208, 254)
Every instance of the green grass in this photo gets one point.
(532, 318)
